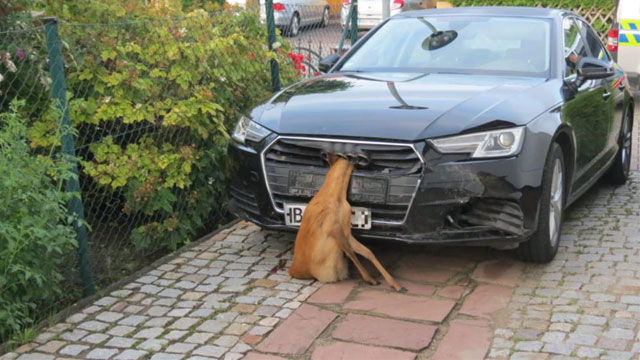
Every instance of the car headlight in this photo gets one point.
(249, 130)
(504, 142)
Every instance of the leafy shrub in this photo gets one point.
(34, 230)
(154, 100)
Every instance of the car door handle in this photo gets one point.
(606, 94)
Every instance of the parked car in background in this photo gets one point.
(370, 11)
(292, 15)
(624, 39)
(474, 126)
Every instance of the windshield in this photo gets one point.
(461, 44)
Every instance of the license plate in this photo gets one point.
(360, 217)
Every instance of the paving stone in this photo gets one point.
(401, 305)
(212, 326)
(35, 356)
(210, 350)
(149, 333)
(153, 344)
(76, 318)
(175, 334)
(181, 348)
(158, 321)
(589, 352)
(562, 349)
(503, 272)
(73, 349)
(109, 316)
(385, 332)
(465, 339)
(452, 291)
(52, 346)
(120, 330)
(95, 338)
(485, 300)
(297, 333)
(133, 320)
(121, 342)
(74, 335)
(237, 329)
(226, 341)
(166, 356)
(582, 339)
(616, 333)
(93, 325)
(199, 337)
(184, 323)
(523, 355)
(555, 337)
(131, 354)
(102, 353)
(342, 350)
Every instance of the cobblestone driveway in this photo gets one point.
(229, 297)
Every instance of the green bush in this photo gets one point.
(34, 230)
(154, 100)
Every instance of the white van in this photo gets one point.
(624, 39)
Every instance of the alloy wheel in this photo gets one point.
(295, 25)
(555, 203)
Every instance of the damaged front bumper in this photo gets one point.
(488, 202)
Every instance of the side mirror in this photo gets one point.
(592, 69)
(327, 63)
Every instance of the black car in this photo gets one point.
(467, 126)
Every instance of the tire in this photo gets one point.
(618, 173)
(325, 17)
(543, 245)
(294, 26)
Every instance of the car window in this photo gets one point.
(595, 45)
(481, 44)
(575, 47)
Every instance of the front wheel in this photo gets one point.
(294, 26)
(619, 171)
(543, 245)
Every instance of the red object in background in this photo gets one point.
(612, 42)
(398, 4)
(297, 62)
(346, 3)
(278, 7)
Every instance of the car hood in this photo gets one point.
(405, 106)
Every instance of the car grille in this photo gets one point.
(387, 182)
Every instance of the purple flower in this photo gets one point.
(20, 54)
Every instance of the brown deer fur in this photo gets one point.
(325, 233)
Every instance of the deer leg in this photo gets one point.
(364, 251)
(365, 275)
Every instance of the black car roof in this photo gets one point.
(519, 11)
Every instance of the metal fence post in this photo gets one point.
(271, 37)
(354, 22)
(59, 95)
